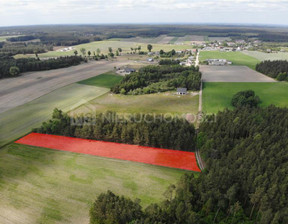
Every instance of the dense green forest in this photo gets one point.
(10, 67)
(245, 180)
(153, 79)
(139, 129)
(275, 69)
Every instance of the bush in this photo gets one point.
(245, 98)
(282, 77)
(14, 71)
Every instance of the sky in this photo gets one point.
(34, 12)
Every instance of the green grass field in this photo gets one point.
(237, 58)
(20, 120)
(217, 96)
(106, 80)
(40, 185)
(150, 103)
(267, 56)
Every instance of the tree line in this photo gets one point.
(24, 48)
(152, 79)
(10, 67)
(274, 69)
(245, 180)
(140, 129)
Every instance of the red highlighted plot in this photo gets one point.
(135, 153)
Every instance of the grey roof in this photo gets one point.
(129, 70)
(182, 90)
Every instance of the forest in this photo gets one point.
(61, 34)
(153, 79)
(245, 180)
(10, 67)
(138, 129)
(274, 69)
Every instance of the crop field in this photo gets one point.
(237, 58)
(218, 96)
(20, 120)
(106, 80)
(232, 74)
(267, 56)
(39, 185)
(151, 103)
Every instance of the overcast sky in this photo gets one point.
(30, 12)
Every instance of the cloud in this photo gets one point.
(113, 11)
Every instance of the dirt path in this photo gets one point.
(18, 91)
(199, 160)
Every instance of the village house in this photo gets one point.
(181, 91)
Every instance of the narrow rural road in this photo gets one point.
(198, 156)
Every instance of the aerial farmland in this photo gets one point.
(101, 116)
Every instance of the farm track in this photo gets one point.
(199, 160)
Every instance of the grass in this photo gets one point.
(267, 56)
(115, 44)
(237, 58)
(151, 103)
(20, 120)
(217, 96)
(106, 80)
(39, 185)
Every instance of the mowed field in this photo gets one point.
(267, 56)
(237, 58)
(232, 74)
(39, 185)
(20, 120)
(160, 103)
(218, 96)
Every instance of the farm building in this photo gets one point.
(181, 91)
(218, 62)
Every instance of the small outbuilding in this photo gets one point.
(129, 70)
(181, 91)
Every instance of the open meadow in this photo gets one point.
(237, 58)
(218, 96)
(115, 44)
(159, 103)
(40, 185)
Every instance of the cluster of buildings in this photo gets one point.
(66, 49)
(188, 62)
